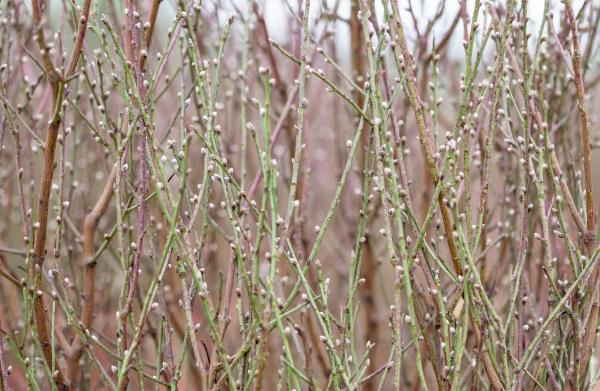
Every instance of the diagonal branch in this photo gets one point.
(39, 247)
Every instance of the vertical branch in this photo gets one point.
(152, 23)
(302, 103)
(3, 369)
(151, 26)
(368, 268)
(589, 238)
(39, 247)
(584, 125)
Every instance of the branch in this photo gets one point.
(89, 273)
(39, 248)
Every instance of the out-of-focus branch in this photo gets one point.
(89, 272)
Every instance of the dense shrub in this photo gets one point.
(298, 195)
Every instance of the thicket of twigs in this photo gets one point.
(385, 199)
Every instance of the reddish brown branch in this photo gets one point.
(78, 46)
(39, 246)
(89, 273)
(151, 26)
(589, 336)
